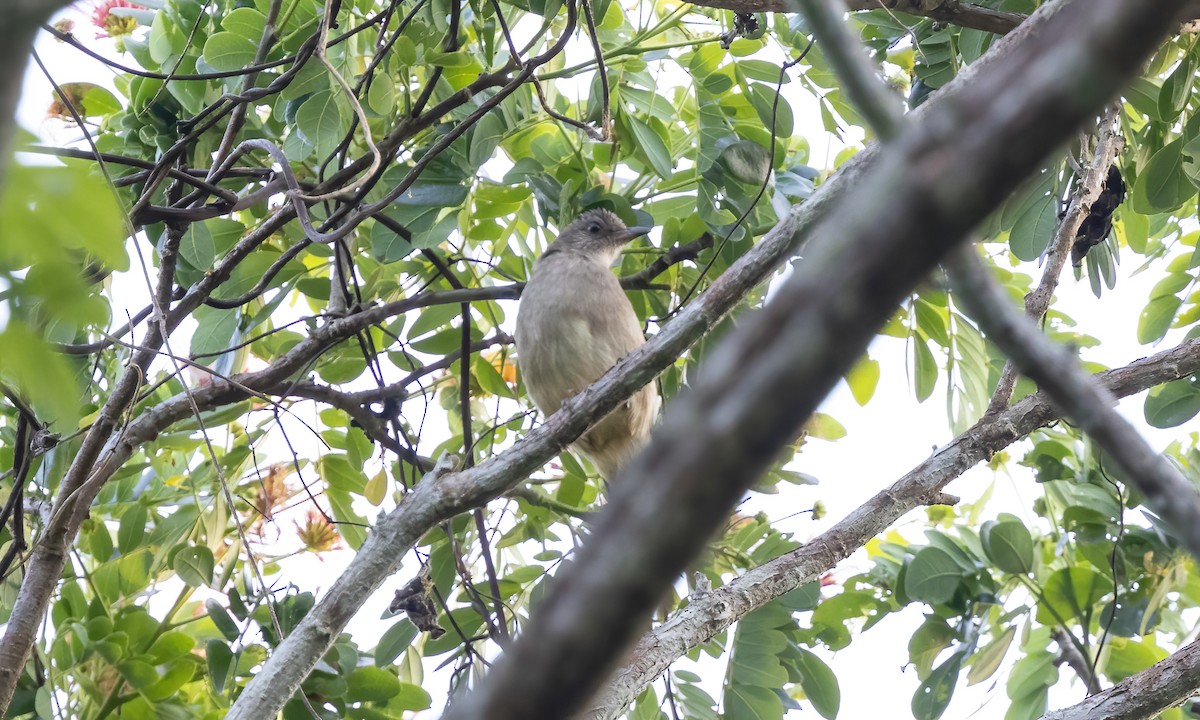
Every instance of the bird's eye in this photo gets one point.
(594, 228)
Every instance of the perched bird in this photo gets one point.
(574, 323)
(1099, 221)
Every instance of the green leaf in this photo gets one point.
(246, 22)
(1176, 89)
(220, 617)
(925, 369)
(1009, 545)
(762, 70)
(987, 661)
(546, 8)
(171, 645)
(351, 525)
(933, 696)
(933, 576)
(752, 702)
(1127, 658)
(42, 376)
(68, 207)
(747, 162)
(139, 674)
(175, 677)
(485, 138)
(929, 640)
(1143, 94)
(762, 97)
(312, 78)
(166, 40)
(220, 660)
(394, 641)
(90, 99)
(194, 564)
(863, 379)
(376, 488)
(1162, 185)
(321, 120)
(825, 427)
(1172, 404)
(1069, 593)
(1034, 228)
(1191, 161)
(204, 242)
(371, 684)
(132, 529)
(713, 128)
(652, 145)
(215, 330)
(228, 51)
(388, 246)
(1156, 318)
(340, 474)
(410, 697)
(819, 683)
(381, 97)
(933, 321)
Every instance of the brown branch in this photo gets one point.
(704, 617)
(641, 279)
(1068, 653)
(932, 185)
(1142, 696)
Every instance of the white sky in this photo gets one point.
(885, 439)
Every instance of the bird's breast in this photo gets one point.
(573, 324)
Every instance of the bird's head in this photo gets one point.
(598, 233)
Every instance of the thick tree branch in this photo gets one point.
(711, 613)
(937, 181)
(1142, 696)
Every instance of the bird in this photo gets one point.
(574, 322)
(1099, 221)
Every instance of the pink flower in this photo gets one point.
(113, 25)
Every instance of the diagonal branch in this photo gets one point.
(934, 183)
(1142, 696)
(711, 613)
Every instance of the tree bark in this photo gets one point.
(1142, 696)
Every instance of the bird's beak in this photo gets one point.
(633, 232)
